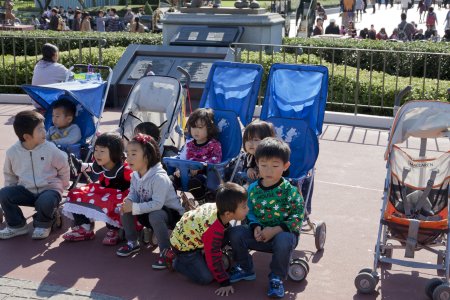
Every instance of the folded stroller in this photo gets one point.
(232, 92)
(156, 99)
(415, 209)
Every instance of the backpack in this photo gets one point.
(431, 19)
(401, 33)
(61, 24)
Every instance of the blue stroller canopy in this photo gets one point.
(89, 94)
(297, 92)
(303, 143)
(233, 86)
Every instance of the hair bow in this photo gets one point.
(143, 138)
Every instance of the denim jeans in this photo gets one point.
(193, 266)
(45, 203)
(158, 220)
(281, 246)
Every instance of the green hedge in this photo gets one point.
(35, 39)
(391, 61)
(341, 87)
(342, 84)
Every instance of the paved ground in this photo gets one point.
(388, 18)
(349, 181)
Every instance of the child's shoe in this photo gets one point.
(40, 233)
(78, 233)
(111, 238)
(238, 274)
(128, 249)
(170, 257)
(9, 232)
(276, 288)
(160, 264)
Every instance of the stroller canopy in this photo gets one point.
(421, 119)
(233, 86)
(89, 94)
(297, 92)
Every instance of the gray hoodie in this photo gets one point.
(46, 72)
(43, 168)
(153, 191)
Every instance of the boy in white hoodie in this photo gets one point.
(36, 173)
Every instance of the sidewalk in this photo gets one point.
(24, 289)
(350, 174)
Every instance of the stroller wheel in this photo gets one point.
(442, 292)
(432, 284)
(298, 270)
(365, 283)
(1, 216)
(320, 235)
(365, 270)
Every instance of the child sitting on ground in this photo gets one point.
(202, 230)
(98, 201)
(152, 198)
(274, 219)
(64, 131)
(36, 173)
(152, 130)
(203, 147)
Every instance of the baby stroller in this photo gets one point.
(415, 209)
(156, 99)
(89, 96)
(231, 91)
(298, 119)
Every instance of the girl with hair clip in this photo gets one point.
(152, 199)
(203, 147)
(98, 201)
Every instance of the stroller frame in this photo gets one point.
(368, 278)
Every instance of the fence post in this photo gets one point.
(358, 65)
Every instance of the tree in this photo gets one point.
(148, 9)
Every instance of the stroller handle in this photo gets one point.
(398, 98)
(186, 75)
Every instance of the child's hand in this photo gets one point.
(177, 173)
(257, 234)
(193, 172)
(127, 206)
(252, 173)
(225, 291)
(269, 232)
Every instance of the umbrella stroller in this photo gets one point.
(415, 210)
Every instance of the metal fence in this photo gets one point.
(20, 54)
(361, 80)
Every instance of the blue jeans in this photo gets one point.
(193, 266)
(281, 246)
(45, 203)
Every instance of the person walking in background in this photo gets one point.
(136, 26)
(76, 25)
(86, 23)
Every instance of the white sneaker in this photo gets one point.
(40, 233)
(8, 232)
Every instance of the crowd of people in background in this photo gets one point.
(59, 19)
(405, 31)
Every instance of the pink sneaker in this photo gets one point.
(111, 238)
(78, 233)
